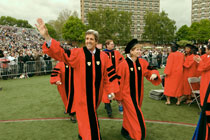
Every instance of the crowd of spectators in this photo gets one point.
(22, 53)
(21, 46)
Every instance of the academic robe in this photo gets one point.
(116, 58)
(174, 75)
(204, 68)
(63, 73)
(131, 94)
(94, 73)
(190, 70)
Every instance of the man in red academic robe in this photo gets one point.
(132, 72)
(62, 76)
(190, 70)
(174, 75)
(94, 75)
(116, 59)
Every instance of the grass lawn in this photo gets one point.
(34, 98)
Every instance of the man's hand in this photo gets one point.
(58, 83)
(153, 76)
(111, 96)
(43, 29)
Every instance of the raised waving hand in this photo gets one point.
(43, 29)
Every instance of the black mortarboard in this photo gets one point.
(130, 45)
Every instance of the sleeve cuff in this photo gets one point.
(48, 44)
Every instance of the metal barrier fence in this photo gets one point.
(27, 69)
(30, 68)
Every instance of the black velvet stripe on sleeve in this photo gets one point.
(139, 75)
(56, 69)
(133, 96)
(110, 68)
(98, 75)
(67, 80)
(113, 78)
(111, 73)
(89, 95)
(54, 75)
(54, 72)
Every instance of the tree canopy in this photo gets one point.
(111, 24)
(198, 32)
(74, 30)
(10, 21)
(51, 31)
(159, 28)
(61, 20)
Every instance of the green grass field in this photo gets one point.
(35, 98)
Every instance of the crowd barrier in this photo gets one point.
(30, 68)
(27, 69)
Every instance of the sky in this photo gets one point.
(178, 10)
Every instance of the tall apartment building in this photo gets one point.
(200, 10)
(137, 7)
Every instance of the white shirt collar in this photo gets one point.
(93, 52)
(128, 55)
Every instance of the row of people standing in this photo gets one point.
(178, 69)
(96, 77)
(180, 66)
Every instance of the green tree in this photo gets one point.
(61, 20)
(74, 30)
(159, 29)
(51, 31)
(193, 31)
(183, 33)
(10, 21)
(111, 24)
(203, 32)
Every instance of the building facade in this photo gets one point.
(137, 7)
(200, 10)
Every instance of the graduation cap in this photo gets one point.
(130, 45)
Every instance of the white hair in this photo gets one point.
(93, 32)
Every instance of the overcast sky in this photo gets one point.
(178, 10)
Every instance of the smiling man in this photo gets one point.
(93, 76)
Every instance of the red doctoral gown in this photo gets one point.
(63, 73)
(116, 58)
(190, 70)
(174, 75)
(131, 93)
(93, 74)
(204, 68)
